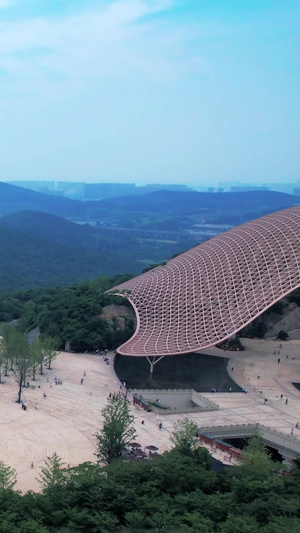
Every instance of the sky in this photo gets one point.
(150, 91)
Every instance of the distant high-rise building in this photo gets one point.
(166, 187)
(98, 191)
(226, 185)
(245, 188)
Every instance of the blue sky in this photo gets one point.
(150, 91)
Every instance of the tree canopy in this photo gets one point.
(173, 492)
(184, 436)
(117, 431)
(70, 314)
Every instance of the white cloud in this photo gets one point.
(6, 3)
(104, 42)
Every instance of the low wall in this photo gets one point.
(176, 400)
(287, 445)
(289, 322)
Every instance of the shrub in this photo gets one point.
(282, 335)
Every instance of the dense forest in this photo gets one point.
(69, 314)
(173, 493)
(27, 262)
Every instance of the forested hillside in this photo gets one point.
(43, 250)
(70, 314)
(37, 262)
(14, 199)
(126, 235)
(180, 210)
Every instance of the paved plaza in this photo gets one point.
(66, 420)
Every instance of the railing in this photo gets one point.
(286, 444)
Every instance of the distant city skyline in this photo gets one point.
(100, 190)
(150, 91)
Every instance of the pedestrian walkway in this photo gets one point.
(66, 420)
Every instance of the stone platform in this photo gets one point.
(66, 420)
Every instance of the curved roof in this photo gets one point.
(210, 292)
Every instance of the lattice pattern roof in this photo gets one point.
(209, 293)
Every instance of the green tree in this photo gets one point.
(282, 525)
(2, 358)
(117, 431)
(37, 356)
(256, 453)
(236, 524)
(16, 349)
(23, 364)
(197, 523)
(52, 473)
(31, 526)
(282, 335)
(184, 436)
(10, 339)
(8, 476)
(49, 350)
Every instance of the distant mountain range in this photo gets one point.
(188, 201)
(41, 249)
(34, 262)
(40, 245)
(14, 199)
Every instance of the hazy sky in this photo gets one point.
(182, 91)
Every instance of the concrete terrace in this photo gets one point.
(66, 420)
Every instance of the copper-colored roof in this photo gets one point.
(207, 294)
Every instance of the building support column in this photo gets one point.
(152, 361)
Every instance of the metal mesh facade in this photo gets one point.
(209, 293)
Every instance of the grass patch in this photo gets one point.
(158, 405)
